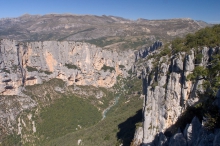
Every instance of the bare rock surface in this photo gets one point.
(77, 63)
(168, 94)
(25, 64)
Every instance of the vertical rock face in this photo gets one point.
(192, 131)
(138, 136)
(145, 51)
(30, 63)
(74, 62)
(11, 74)
(167, 94)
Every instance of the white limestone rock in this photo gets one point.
(138, 136)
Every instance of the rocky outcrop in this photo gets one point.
(11, 71)
(143, 52)
(168, 94)
(11, 107)
(138, 136)
(165, 96)
(77, 63)
(194, 134)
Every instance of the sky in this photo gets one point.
(205, 10)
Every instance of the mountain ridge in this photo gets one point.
(89, 27)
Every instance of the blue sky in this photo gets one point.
(206, 10)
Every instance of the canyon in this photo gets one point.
(45, 66)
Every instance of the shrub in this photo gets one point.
(199, 58)
(46, 72)
(11, 140)
(31, 69)
(129, 71)
(210, 122)
(154, 84)
(105, 68)
(5, 70)
(164, 52)
(212, 118)
(198, 71)
(121, 66)
(72, 66)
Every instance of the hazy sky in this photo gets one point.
(206, 10)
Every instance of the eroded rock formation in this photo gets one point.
(28, 63)
(77, 63)
(167, 95)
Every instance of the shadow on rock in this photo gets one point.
(174, 135)
(127, 128)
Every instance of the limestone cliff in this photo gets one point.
(167, 95)
(143, 52)
(28, 63)
(77, 63)
(24, 64)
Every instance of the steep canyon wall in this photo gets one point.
(168, 93)
(77, 63)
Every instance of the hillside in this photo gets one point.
(99, 30)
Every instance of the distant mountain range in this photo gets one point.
(90, 27)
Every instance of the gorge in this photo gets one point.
(125, 88)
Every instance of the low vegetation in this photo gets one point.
(209, 74)
(208, 36)
(65, 115)
(72, 66)
(123, 43)
(65, 37)
(105, 68)
(121, 66)
(11, 140)
(46, 72)
(64, 118)
(31, 69)
(117, 128)
(6, 70)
